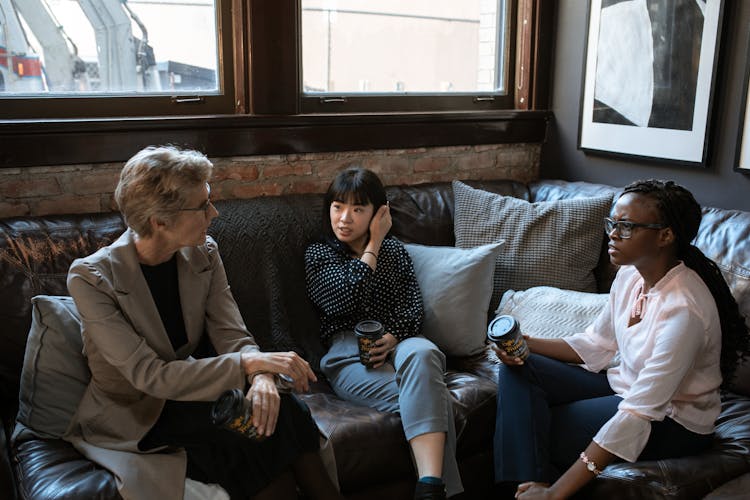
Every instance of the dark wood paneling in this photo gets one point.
(63, 142)
(274, 56)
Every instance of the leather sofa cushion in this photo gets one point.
(364, 439)
(52, 469)
(724, 236)
(686, 477)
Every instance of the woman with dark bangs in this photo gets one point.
(359, 273)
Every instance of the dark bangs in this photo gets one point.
(356, 185)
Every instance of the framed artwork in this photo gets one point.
(742, 156)
(649, 78)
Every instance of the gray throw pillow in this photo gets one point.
(554, 243)
(55, 373)
(456, 286)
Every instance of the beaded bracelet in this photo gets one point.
(371, 253)
(590, 464)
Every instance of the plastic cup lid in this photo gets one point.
(502, 325)
(368, 327)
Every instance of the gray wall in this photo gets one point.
(715, 185)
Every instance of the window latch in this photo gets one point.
(484, 98)
(197, 99)
(327, 100)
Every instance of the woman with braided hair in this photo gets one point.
(678, 331)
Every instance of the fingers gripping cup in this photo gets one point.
(367, 333)
(234, 411)
(505, 332)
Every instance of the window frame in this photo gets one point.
(267, 115)
(127, 106)
(349, 102)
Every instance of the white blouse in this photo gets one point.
(669, 361)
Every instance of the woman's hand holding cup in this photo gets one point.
(503, 356)
(382, 347)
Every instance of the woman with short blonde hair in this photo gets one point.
(154, 182)
(164, 339)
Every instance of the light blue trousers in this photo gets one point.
(411, 383)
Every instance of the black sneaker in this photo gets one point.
(426, 491)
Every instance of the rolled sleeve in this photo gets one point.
(624, 435)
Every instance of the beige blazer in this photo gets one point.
(134, 368)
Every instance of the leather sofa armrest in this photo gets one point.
(7, 481)
(679, 478)
(686, 477)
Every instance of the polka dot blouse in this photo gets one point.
(346, 290)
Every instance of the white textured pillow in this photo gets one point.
(553, 243)
(550, 312)
(456, 286)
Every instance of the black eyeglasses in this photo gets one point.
(625, 228)
(204, 207)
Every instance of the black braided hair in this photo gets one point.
(679, 210)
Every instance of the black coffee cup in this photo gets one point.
(367, 332)
(234, 411)
(505, 332)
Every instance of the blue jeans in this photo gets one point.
(549, 411)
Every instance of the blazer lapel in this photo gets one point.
(134, 296)
(193, 274)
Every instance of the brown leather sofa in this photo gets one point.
(262, 241)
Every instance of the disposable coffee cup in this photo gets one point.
(367, 333)
(505, 332)
(234, 411)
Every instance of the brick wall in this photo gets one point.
(89, 188)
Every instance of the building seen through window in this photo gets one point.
(393, 46)
(85, 47)
(89, 59)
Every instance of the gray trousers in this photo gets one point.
(411, 383)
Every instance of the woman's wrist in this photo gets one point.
(251, 363)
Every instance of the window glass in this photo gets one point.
(116, 47)
(404, 47)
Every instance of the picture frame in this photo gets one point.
(742, 153)
(649, 77)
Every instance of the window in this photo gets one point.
(104, 55)
(360, 55)
(266, 77)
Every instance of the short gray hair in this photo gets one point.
(156, 181)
